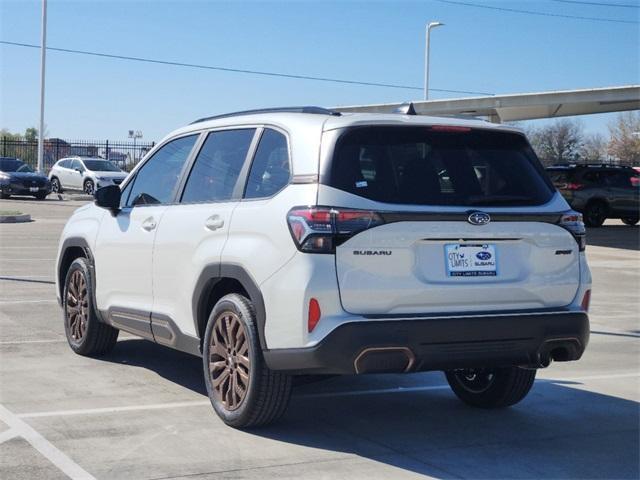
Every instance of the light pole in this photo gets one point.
(43, 51)
(426, 58)
(135, 135)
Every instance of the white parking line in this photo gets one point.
(8, 435)
(25, 259)
(51, 453)
(19, 277)
(12, 302)
(604, 376)
(20, 342)
(30, 247)
(127, 408)
(347, 393)
(353, 393)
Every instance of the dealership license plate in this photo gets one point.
(471, 260)
(33, 189)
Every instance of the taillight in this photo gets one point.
(322, 229)
(574, 186)
(572, 221)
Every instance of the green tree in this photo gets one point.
(5, 133)
(31, 134)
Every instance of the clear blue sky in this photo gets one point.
(478, 49)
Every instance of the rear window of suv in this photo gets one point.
(438, 166)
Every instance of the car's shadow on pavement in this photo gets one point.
(177, 367)
(615, 236)
(558, 431)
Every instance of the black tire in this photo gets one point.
(4, 196)
(56, 187)
(88, 187)
(631, 221)
(91, 337)
(41, 195)
(267, 393)
(491, 388)
(595, 214)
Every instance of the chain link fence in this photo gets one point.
(125, 154)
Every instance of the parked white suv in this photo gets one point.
(300, 241)
(84, 173)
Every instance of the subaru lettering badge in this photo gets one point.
(479, 218)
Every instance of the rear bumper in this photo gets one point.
(441, 343)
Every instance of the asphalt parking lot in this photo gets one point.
(142, 412)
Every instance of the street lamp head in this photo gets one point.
(435, 24)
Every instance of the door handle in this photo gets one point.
(149, 224)
(214, 222)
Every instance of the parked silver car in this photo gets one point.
(84, 173)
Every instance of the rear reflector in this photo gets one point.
(586, 300)
(574, 186)
(314, 314)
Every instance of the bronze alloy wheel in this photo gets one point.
(77, 306)
(229, 364)
(475, 380)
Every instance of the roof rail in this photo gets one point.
(607, 165)
(595, 165)
(315, 110)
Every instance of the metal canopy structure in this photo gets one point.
(522, 106)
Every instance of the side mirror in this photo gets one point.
(79, 170)
(109, 197)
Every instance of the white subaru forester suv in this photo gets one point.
(302, 241)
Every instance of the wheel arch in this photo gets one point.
(217, 280)
(72, 248)
(598, 199)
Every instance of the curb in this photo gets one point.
(15, 218)
(75, 196)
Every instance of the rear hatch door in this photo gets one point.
(469, 223)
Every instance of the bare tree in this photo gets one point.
(559, 142)
(594, 149)
(624, 144)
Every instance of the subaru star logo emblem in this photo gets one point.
(479, 218)
(483, 255)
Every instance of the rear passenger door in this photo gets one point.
(259, 236)
(193, 232)
(622, 193)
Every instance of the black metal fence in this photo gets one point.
(125, 154)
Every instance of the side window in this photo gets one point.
(270, 170)
(156, 180)
(63, 164)
(618, 179)
(592, 177)
(215, 172)
(75, 164)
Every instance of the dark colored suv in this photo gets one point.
(599, 191)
